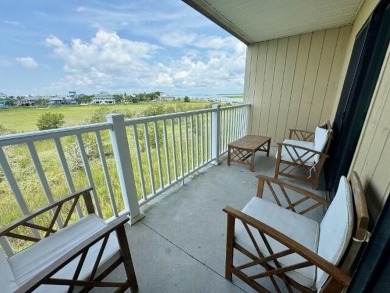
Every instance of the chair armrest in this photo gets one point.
(301, 134)
(296, 147)
(313, 258)
(27, 220)
(44, 277)
(286, 194)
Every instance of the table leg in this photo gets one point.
(252, 166)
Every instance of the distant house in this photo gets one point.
(27, 101)
(103, 98)
(3, 98)
(165, 96)
(56, 101)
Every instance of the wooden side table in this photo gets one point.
(242, 151)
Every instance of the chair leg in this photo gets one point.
(229, 247)
(277, 163)
(127, 260)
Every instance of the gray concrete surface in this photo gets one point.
(179, 246)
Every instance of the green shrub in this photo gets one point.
(154, 110)
(50, 121)
(186, 99)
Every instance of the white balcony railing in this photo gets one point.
(127, 162)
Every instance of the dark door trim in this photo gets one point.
(363, 71)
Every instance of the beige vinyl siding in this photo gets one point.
(291, 82)
(372, 156)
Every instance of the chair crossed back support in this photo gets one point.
(303, 154)
(71, 251)
(278, 242)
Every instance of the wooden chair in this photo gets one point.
(303, 155)
(65, 256)
(277, 241)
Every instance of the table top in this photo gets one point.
(250, 142)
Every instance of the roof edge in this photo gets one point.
(218, 19)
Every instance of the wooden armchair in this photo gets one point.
(65, 256)
(303, 155)
(277, 241)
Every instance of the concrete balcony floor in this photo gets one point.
(179, 246)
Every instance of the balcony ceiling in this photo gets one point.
(253, 21)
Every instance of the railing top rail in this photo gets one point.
(166, 116)
(236, 106)
(19, 138)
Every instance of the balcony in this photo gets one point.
(180, 244)
(158, 171)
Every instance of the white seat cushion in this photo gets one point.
(287, 223)
(286, 151)
(47, 251)
(336, 228)
(7, 279)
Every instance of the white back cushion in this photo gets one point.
(336, 228)
(7, 280)
(320, 139)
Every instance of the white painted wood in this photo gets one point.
(187, 145)
(42, 177)
(88, 173)
(257, 21)
(107, 177)
(120, 147)
(157, 137)
(201, 127)
(149, 158)
(215, 132)
(173, 134)
(168, 168)
(139, 161)
(15, 188)
(180, 130)
(5, 245)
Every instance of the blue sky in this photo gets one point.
(57, 46)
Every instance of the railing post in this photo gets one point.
(120, 147)
(215, 133)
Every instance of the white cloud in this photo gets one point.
(218, 69)
(12, 23)
(182, 39)
(108, 61)
(81, 9)
(27, 62)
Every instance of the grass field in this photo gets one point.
(23, 119)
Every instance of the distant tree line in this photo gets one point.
(86, 99)
(136, 98)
